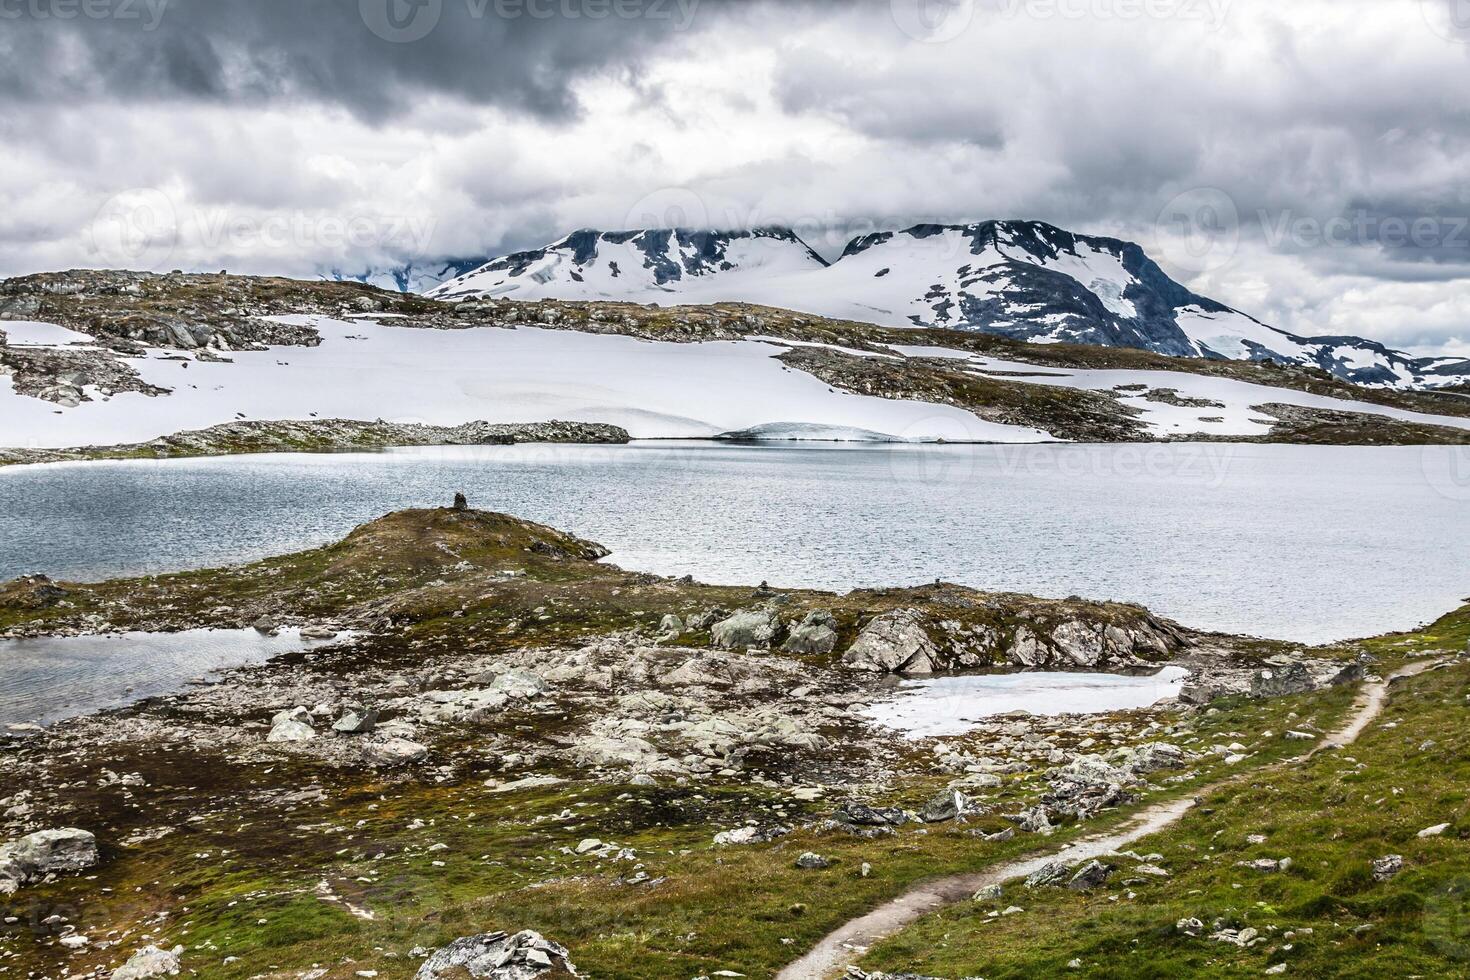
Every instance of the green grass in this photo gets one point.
(1325, 916)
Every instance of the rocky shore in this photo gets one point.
(328, 436)
(505, 718)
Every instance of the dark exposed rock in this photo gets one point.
(1278, 682)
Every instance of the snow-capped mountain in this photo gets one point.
(642, 266)
(412, 277)
(1027, 280)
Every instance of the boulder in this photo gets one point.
(810, 861)
(474, 704)
(1026, 650)
(45, 852)
(392, 752)
(894, 642)
(1279, 682)
(1091, 875)
(1053, 873)
(498, 956)
(860, 814)
(289, 730)
(297, 714)
(1079, 642)
(815, 634)
(1387, 867)
(746, 629)
(947, 804)
(150, 961)
(356, 720)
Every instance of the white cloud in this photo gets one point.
(830, 119)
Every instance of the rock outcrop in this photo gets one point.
(45, 852)
(498, 956)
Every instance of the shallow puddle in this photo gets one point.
(49, 678)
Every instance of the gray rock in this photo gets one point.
(498, 956)
(750, 628)
(990, 893)
(815, 634)
(1036, 820)
(392, 752)
(45, 852)
(1053, 873)
(1278, 682)
(812, 862)
(894, 642)
(1091, 875)
(1387, 867)
(266, 625)
(1350, 674)
(288, 730)
(1079, 642)
(863, 815)
(298, 714)
(356, 720)
(670, 627)
(947, 804)
(1026, 650)
(150, 961)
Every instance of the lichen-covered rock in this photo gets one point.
(744, 630)
(816, 634)
(150, 961)
(393, 752)
(45, 852)
(498, 956)
(290, 730)
(1091, 875)
(1053, 873)
(945, 805)
(1279, 682)
(894, 642)
(1081, 643)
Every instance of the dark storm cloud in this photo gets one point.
(367, 55)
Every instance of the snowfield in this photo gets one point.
(1233, 416)
(366, 370)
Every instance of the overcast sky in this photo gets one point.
(1306, 161)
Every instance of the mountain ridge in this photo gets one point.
(1023, 279)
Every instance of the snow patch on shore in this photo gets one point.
(367, 371)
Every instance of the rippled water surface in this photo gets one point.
(1295, 542)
